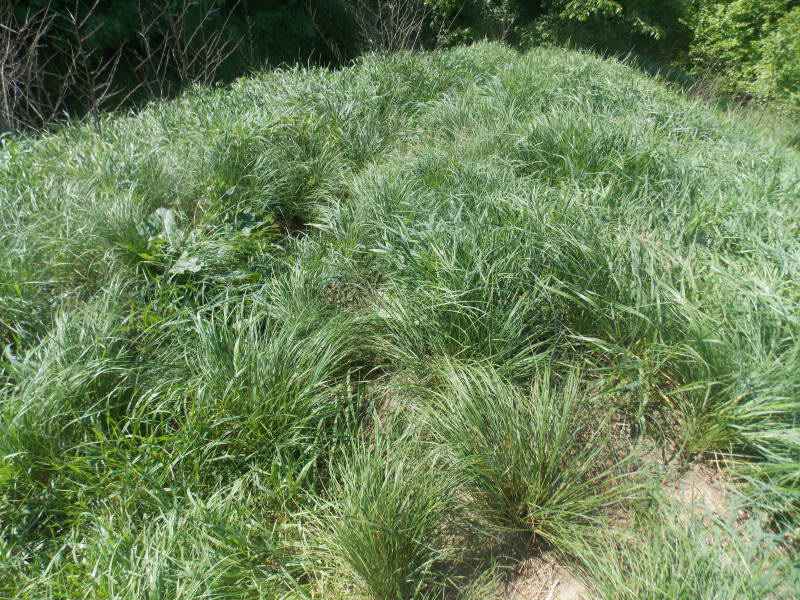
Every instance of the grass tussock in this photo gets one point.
(540, 461)
(670, 554)
(387, 518)
(314, 334)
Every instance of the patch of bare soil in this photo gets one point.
(702, 490)
(542, 578)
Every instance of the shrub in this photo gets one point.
(778, 71)
(750, 44)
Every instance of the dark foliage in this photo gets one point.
(87, 56)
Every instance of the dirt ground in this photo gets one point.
(542, 578)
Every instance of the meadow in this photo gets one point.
(381, 331)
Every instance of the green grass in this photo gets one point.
(324, 332)
(386, 518)
(540, 462)
(671, 554)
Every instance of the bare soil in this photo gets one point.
(542, 578)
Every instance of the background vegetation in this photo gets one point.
(77, 56)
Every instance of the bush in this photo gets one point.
(85, 56)
(750, 44)
(778, 71)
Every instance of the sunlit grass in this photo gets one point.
(671, 554)
(214, 313)
(537, 460)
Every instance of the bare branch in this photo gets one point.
(391, 25)
(48, 60)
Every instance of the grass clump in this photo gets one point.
(259, 387)
(539, 460)
(683, 556)
(218, 547)
(387, 518)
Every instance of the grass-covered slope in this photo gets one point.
(329, 333)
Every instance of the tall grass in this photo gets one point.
(531, 260)
(540, 461)
(387, 517)
(674, 555)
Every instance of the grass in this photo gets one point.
(387, 518)
(683, 556)
(541, 462)
(316, 334)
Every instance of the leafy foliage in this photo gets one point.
(754, 43)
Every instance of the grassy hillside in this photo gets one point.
(357, 333)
